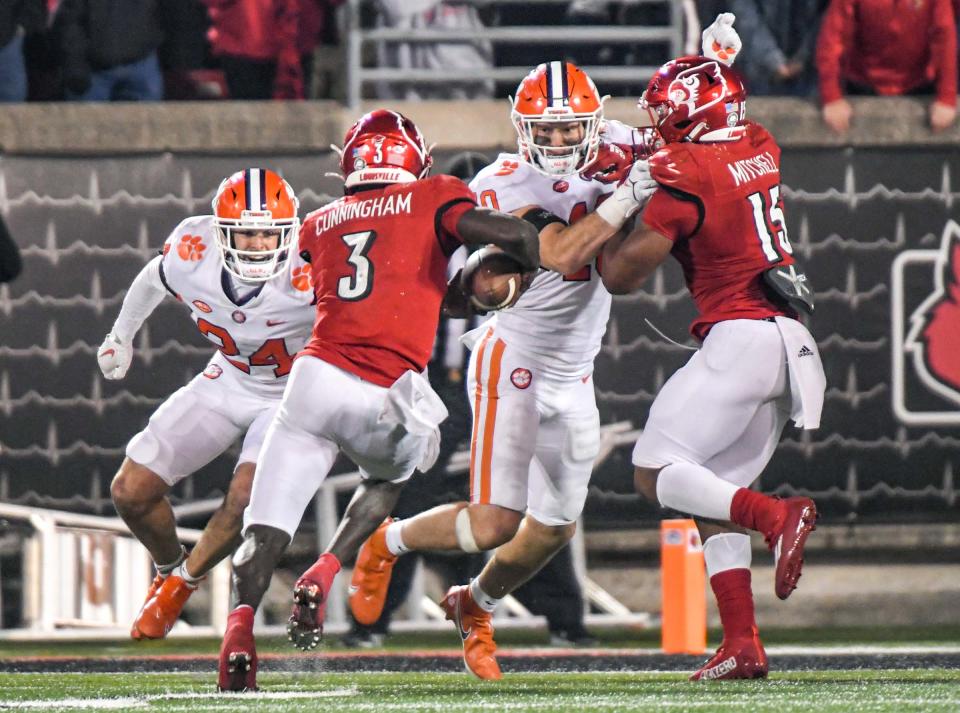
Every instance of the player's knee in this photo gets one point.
(135, 489)
(645, 481)
(490, 526)
(551, 537)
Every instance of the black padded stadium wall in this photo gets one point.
(873, 228)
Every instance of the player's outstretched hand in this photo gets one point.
(114, 357)
(720, 41)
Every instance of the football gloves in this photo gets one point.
(720, 41)
(114, 357)
(630, 196)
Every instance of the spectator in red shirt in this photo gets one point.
(888, 47)
(266, 46)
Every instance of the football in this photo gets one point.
(492, 279)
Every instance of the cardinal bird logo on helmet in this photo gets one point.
(934, 336)
(690, 85)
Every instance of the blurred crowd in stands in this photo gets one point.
(132, 50)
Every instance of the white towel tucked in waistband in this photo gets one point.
(412, 403)
(807, 380)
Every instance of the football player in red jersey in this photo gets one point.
(378, 261)
(716, 422)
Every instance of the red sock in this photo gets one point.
(324, 570)
(756, 511)
(241, 616)
(735, 602)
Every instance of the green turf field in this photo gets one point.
(840, 692)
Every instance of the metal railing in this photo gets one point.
(357, 37)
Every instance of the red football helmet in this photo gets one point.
(253, 201)
(383, 147)
(557, 93)
(691, 96)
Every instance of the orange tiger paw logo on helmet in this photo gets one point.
(301, 278)
(191, 247)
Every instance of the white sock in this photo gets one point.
(693, 489)
(729, 550)
(483, 600)
(395, 538)
(165, 569)
(192, 582)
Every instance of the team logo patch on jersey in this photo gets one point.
(521, 377)
(191, 248)
(239, 317)
(300, 278)
(202, 306)
(212, 371)
(561, 186)
(925, 292)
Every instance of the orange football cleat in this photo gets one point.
(371, 577)
(238, 653)
(154, 586)
(162, 610)
(476, 629)
(799, 522)
(737, 658)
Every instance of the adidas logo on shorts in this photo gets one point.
(805, 351)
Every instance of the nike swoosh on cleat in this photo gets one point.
(107, 352)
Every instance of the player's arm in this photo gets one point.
(671, 214)
(566, 248)
(518, 238)
(145, 293)
(629, 260)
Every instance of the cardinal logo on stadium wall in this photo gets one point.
(927, 335)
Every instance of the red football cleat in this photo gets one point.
(800, 520)
(305, 626)
(161, 611)
(238, 653)
(737, 658)
(371, 577)
(154, 586)
(475, 628)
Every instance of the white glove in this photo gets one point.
(631, 195)
(720, 41)
(114, 357)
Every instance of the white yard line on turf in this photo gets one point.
(144, 701)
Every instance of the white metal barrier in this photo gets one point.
(85, 575)
(356, 38)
